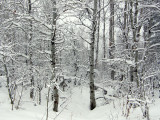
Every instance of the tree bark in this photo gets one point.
(134, 72)
(125, 31)
(30, 51)
(55, 95)
(47, 104)
(8, 82)
(92, 91)
(111, 37)
(104, 31)
(98, 35)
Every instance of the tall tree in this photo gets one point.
(98, 34)
(30, 51)
(53, 58)
(111, 37)
(133, 22)
(125, 25)
(93, 31)
(104, 30)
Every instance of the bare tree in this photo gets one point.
(133, 21)
(111, 37)
(104, 31)
(55, 95)
(30, 51)
(98, 34)
(8, 82)
(93, 31)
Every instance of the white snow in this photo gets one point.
(76, 107)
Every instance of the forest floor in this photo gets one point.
(75, 107)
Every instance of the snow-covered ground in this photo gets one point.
(76, 107)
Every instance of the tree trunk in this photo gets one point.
(98, 35)
(30, 51)
(53, 57)
(111, 37)
(39, 91)
(136, 44)
(8, 82)
(133, 21)
(56, 99)
(125, 30)
(104, 31)
(92, 92)
(47, 103)
(75, 63)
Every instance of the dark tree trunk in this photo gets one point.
(30, 51)
(92, 91)
(111, 37)
(55, 95)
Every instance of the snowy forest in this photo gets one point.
(79, 59)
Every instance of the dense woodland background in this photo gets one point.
(49, 47)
